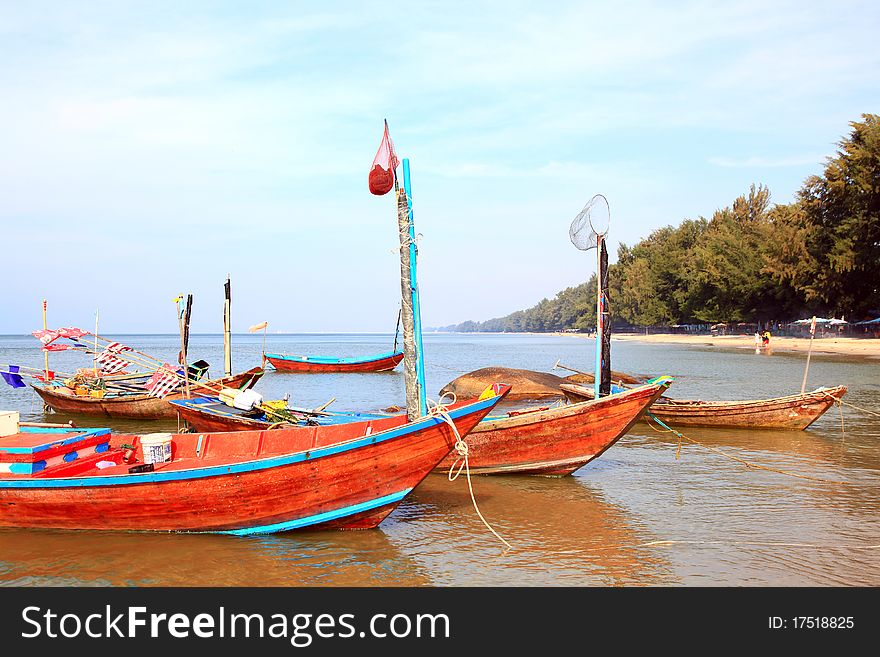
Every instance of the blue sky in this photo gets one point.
(150, 148)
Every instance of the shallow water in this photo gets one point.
(635, 516)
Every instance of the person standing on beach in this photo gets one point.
(757, 339)
(766, 338)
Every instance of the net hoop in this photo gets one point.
(589, 225)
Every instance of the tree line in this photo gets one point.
(750, 262)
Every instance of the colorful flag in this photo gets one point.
(163, 381)
(258, 327)
(46, 335)
(72, 333)
(58, 347)
(110, 363)
(45, 376)
(12, 377)
(381, 178)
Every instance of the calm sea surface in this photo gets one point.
(717, 522)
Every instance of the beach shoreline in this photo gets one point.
(868, 348)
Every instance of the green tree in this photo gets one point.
(842, 209)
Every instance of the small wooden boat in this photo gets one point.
(790, 412)
(134, 404)
(344, 476)
(211, 414)
(556, 441)
(325, 364)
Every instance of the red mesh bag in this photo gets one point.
(382, 174)
(381, 181)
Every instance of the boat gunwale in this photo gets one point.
(567, 410)
(138, 397)
(241, 467)
(818, 395)
(334, 360)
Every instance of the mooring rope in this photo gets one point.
(840, 402)
(438, 409)
(748, 464)
(669, 542)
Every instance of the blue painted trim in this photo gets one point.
(83, 433)
(331, 360)
(414, 287)
(103, 447)
(51, 430)
(27, 468)
(327, 516)
(70, 456)
(600, 326)
(246, 466)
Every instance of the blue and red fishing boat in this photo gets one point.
(345, 476)
(320, 364)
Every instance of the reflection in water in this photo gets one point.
(718, 513)
(718, 517)
(562, 532)
(364, 558)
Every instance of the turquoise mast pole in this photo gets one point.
(414, 290)
(600, 328)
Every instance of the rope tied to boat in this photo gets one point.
(722, 543)
(840, 402)
(748, 464)
(440, 410)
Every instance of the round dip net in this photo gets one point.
(590, 223)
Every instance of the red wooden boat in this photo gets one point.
(320, 364)
(345, 476)
(135, 405)
(789, 412)
(556, 441)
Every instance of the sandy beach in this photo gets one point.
(859, 347)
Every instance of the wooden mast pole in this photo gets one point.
(410, 355)
(809, 353)
(45, 353)
(227, 328)
(183, 321)
(95, 359)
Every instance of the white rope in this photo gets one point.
(439, 409)
(840, 402)
(667, 543)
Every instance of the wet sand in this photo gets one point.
(863, 347)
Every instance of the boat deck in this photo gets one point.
(77, 454)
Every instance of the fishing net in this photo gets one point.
(590, 223)
(381, 178)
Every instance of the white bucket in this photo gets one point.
(156, 447)
(9, 425)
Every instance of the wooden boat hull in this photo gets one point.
(791, 412)
(136, 406)
(348, 476)
(323, 364)
(559, 440)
